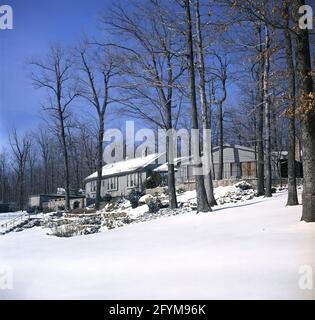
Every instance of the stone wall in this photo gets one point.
(188, 186)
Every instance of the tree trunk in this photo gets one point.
(220, 172)
(306, 109)
(99, 162)
(267, 117)
(66, 159)
(202, 201)
(292, 192)
(206, 121)
(260, 123)
(170, 160)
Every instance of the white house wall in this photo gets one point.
(121, 189)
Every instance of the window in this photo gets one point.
(132, 180)
(93, 186)
(248, 169)
(112, 183)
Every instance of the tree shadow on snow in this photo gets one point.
(236, 206)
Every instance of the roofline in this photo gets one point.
(237, 146)
(158, 155)
(116, 174)
(55, 195)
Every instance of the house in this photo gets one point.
(239, 162)
(119, 178)
(54, 201)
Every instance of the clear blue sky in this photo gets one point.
(36, 24)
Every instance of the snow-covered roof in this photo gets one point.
(164, 166)
(125, 166)
(237, 146)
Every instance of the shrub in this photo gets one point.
(153, 181)
(154, 205)
(66, 230)
(180, 190)
(134, 197)
(107, 198)
(33, 209)
(243, 185)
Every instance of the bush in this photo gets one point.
(180, 190)
(243, 185)
(47, 210)
(33, 209)
(66, 230)
(134, 197)
(154, 205)
(153, 181)
(107, 198)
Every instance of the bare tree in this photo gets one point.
(292, 192)
(54, 74)
(267, 114)
(206, 121)
(3, 176)
(220, 73)
(99, 67)
(260, 119)
(202, 201)
(306, 111)
(20, 150)
(153, 65)
(43, 141)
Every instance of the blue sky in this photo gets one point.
(36, 24)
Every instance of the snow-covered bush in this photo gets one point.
(66, 230)
(243, 185)
(134, 197)
(154, 205)
(145, 199)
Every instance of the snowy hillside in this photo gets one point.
(252, 249)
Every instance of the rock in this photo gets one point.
(146, 199)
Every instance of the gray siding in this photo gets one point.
(230, 155)
(117, 186)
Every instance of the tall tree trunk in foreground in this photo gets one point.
(205, 113)
(260, 121)
(170, 159)
(292, 192)
(64, 152)
(267, 116)
(202, 201)
(306, 109)
(220, 172)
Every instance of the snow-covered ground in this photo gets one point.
(252, 249)
(9, 215)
